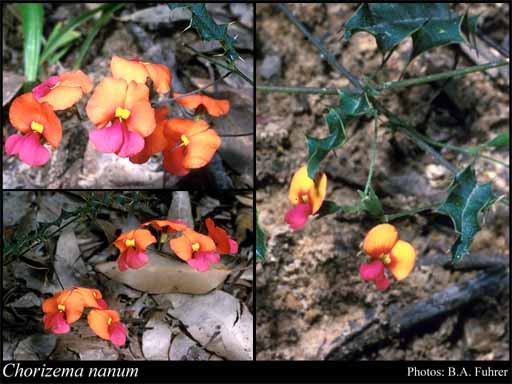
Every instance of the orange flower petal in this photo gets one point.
(380, 240)
(120, 242)
(177, 126)
(76, 79)
(90, 296)
(201, 149)
(52, 131)
(61, 98)
(219, 235)
(142, 118)
(24, 110)
(189, 102)
(173, 161)
(143, 238)
(50, 305)
(161, 77)
(215, 107)
(206, 243)
(73, 302)
(300, 184)
(316, 194)
(135, 92)
(182, 247)
(403, 259)
(108, 95)
(171, 225)
(98, 320)
(128, 70)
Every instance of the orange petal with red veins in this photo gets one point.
(182, 247)
(142, 118)
(108, 95)
(143, 238)
(380, 240)
(201, 148)
(128, 70)
(300, 184)
(161, 77)
(403, 259)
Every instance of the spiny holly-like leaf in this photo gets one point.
(429, 24)
(261, 241)
(466, 199)
(208, 29)
(351, 105)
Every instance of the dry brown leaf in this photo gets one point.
(166, 275)
(244, 223)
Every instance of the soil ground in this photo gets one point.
(308, 290)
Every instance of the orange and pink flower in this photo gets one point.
(133, 246)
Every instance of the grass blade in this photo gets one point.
(104, 19)
(32, 16)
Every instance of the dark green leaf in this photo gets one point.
(32, 17)
(499, 142)
(351, 105)
(429, 24)
(370, 203)
(328, 208)
(466, 199)
(208, 29)
(261, 242)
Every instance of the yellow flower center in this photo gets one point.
(195, 247)
(185, 140)
(130, 243)
(386, 259)
(36, 127)
(61, 307)
(305, 198)
(122, 113)
(109, 321)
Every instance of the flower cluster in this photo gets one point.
(67, 306)
(33, 114)
(126, 123)
(386, 251)
(198, 250)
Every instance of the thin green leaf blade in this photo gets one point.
(102, 21)
(32, 16)
(261, 242)
(466, 199)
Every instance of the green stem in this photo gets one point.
(231, 67)
(293, 90)
(394, 216)
(326, 54)
(374, 155)
(460, 149)
(440, 76)
(388, 85)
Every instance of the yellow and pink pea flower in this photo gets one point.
(306, 196)
(133, 246)
(386, 251)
